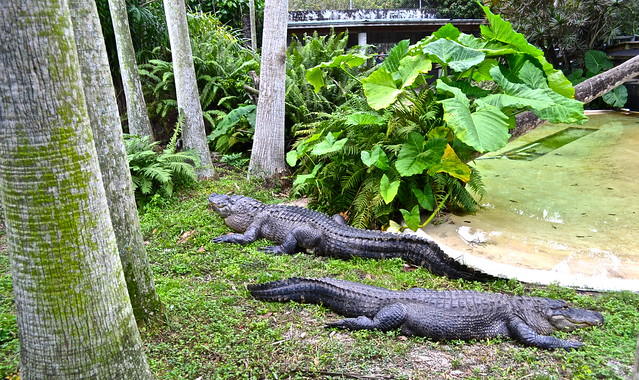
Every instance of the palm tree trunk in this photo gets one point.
(105, 124)
(188, 99)
(137, 115)
(267, 155)
(74, 315)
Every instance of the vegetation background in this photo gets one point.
(213, 328)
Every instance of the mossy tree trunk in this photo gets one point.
(74, 315)
(105, 124)
(188, 99)
(267, 155)
(137, 115)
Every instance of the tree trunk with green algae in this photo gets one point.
(107, 134)
(73, 311)
(137, 115)
(188, 99)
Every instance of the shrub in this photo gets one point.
(429, 108)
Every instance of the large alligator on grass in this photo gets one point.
(295, 227)
(439, 315)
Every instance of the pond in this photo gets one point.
(562, 207)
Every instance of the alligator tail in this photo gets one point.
(430, 255)
(327, 292)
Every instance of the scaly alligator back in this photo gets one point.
(295, 227)
(456, 314)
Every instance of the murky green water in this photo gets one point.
(562, 206)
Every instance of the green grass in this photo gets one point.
(215, 330)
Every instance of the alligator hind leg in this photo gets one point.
(304, 237)
(387, 318)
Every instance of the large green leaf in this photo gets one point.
(364, 118)
(485, 130)
(544, 102)
(380, 89)
(454, 55)
(412, 217)
(375, 157)
(597, 61)
(617, 97)
(502, 31)
(417, 155)
(411, 66)
(330, 144)
(391, 63)
(448, 31)
(315, 75)
(425, 198)
(531, 76)
(387, 189)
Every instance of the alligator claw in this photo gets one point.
(230, 238)
(272, 249)
(572, 345)
(337, 324)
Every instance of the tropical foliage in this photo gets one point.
(429, 108)
(565, 30)
(234, 132)
(158, 171)
(222, 66)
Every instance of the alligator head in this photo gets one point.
(552, 315)
(238, 211)
(563, 317)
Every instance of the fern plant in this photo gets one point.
(157, 171)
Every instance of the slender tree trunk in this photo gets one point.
(267, 156)
(586, 91)
(137, 115)
(252, 25)
(188, 99)
(107, 134)
(75, 320)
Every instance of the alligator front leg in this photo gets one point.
(251, 234)
(387, 318)
(304, 237)
(525, 334)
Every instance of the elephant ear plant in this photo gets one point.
(429, 109)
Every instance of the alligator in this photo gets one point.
(296, 228)
(438, 315)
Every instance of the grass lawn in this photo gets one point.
(215, 330)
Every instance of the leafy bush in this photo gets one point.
(406, 149)
(234, 132)
(156, 171)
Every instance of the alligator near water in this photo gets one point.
(439, 315)
(295, 227)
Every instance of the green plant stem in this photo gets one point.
(430, 218)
